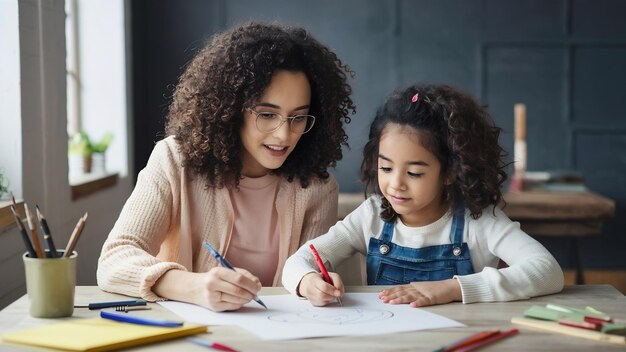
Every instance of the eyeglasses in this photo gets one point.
(269, 122)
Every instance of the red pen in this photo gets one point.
(320, 264)
(488, 340)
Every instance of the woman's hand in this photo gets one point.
(218, 289)
(426, 293)
(319, 292)
(224, 289)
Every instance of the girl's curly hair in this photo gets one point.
(457, 130)
(230, 74)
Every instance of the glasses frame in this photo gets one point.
(282, 121)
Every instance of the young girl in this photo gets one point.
(433, 228)
(254, 123)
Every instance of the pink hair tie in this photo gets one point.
(415, 97)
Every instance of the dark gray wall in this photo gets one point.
(564, 59)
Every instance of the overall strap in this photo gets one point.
(387, 232)
(458, 224)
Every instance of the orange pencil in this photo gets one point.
(75, 234)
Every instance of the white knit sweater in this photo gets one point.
(532, 270)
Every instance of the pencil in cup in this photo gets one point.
(226, 264)
(75, 235)
(20, 225)
(46, 234)
(33, 231)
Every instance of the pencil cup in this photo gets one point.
(50, 284)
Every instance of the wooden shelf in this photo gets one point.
(87, 184)
(6, 216)
(81, 186)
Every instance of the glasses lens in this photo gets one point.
(301, 123)
(267, 121)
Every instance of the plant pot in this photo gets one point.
(98, 163)
(79, 164)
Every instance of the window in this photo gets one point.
(10, 108)
(96, 80)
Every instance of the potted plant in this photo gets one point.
(86, 156)
(97, 153)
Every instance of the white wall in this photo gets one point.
(44, 152)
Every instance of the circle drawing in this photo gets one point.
(338, 316)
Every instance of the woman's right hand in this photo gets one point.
(218, 289)
(319, 292)
(224, 289)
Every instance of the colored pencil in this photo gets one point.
(322, 267)
(214, 345)
(488, 340)
(468, 340)
(20, 225)
(33, 231)
(75, 235)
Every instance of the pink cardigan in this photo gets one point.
(169, 214)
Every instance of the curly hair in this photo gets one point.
(458, 131)
(230, 74)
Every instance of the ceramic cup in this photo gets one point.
(50, 284)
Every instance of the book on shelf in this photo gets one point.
(554, 181)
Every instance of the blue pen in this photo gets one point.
(226, 264)
(125, 318)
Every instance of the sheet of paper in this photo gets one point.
(289, 317)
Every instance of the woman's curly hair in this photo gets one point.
(230, 74)
(457, 130)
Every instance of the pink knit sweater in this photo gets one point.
(170, 213)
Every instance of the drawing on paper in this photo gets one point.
(337, 316)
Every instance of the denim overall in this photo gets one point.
(391, 264)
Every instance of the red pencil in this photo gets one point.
(320, 264)
(469, 340)
(215, 345)
(491, 339)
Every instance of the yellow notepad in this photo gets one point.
(97, 335)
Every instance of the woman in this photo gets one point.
(254, 124)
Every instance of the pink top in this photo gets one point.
(255, 236)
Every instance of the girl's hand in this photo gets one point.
(319, 292)
(426, 293)
(224, 289)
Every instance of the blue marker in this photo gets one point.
(226, 264)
